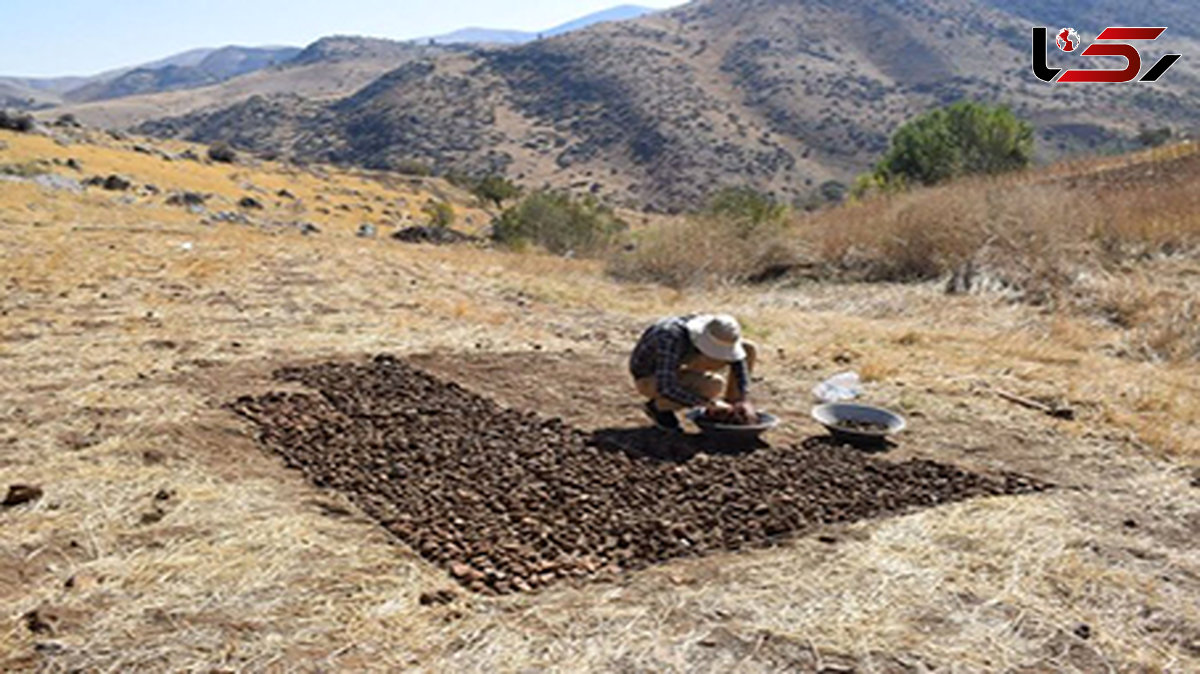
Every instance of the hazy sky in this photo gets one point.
(80, 37)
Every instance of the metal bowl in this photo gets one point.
(834, 415)
(765, 423)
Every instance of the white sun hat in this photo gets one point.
(718, 337)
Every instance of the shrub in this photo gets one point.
(742, 236)
(29, 169)
(440, 213)
(412, 167)
(866, 184)
(21, 123)
(962, 139)
(222, 153)
(496, 189)
(559, 223)
(746, 208)
(833, 191)
(704, 249)
(458, 179)
(1008, 230)
(1154, 137)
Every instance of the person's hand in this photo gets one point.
(745, 411)
(717, 409)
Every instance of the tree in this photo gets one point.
(962, 139)
(496, 189)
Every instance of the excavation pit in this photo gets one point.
(509, 501)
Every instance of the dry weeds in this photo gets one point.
(1087, 237)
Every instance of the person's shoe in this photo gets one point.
(665, 420)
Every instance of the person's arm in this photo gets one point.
(742, 374)
(670, 359)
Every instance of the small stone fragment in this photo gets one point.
(437, 598)
(20, 494)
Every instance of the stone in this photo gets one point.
(20, 494)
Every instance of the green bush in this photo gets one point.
(17, 121)
(833, 191)
(440, 213)
(492, 188)
(412, 167)
(746, 209)
(1154, 137)
(496, 189)
(962, 139)
(222, 153)
(559, 223)
(869, 183)
(29, 169)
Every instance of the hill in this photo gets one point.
(216, 66)
(43, 92)
(618, 13)
(52, 89)
(330, 68)
(17, 94)
(199, 68)
(659, 111)
(497, 37)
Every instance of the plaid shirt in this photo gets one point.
(660, 353)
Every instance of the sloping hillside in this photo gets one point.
(174, 183)
(192, 68)
(16, 94)
(1092, 16)
(495, 37)
(660, 110)
(217, 66)
(327, 69)
(199, 68)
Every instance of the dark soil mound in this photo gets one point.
(509, 501)
(426, 234)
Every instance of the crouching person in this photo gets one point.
(684, 362)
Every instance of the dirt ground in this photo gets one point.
(167, 538)
(510, 501)
(593, 390)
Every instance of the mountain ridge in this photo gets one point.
(193, 68)
(659, 111)
(216, 65)
(484, 36)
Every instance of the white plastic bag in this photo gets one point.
(839, 388)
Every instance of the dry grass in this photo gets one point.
(338, 203)
(1036, 233)
(691, 251)
(1080, 236)
(119, 346)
